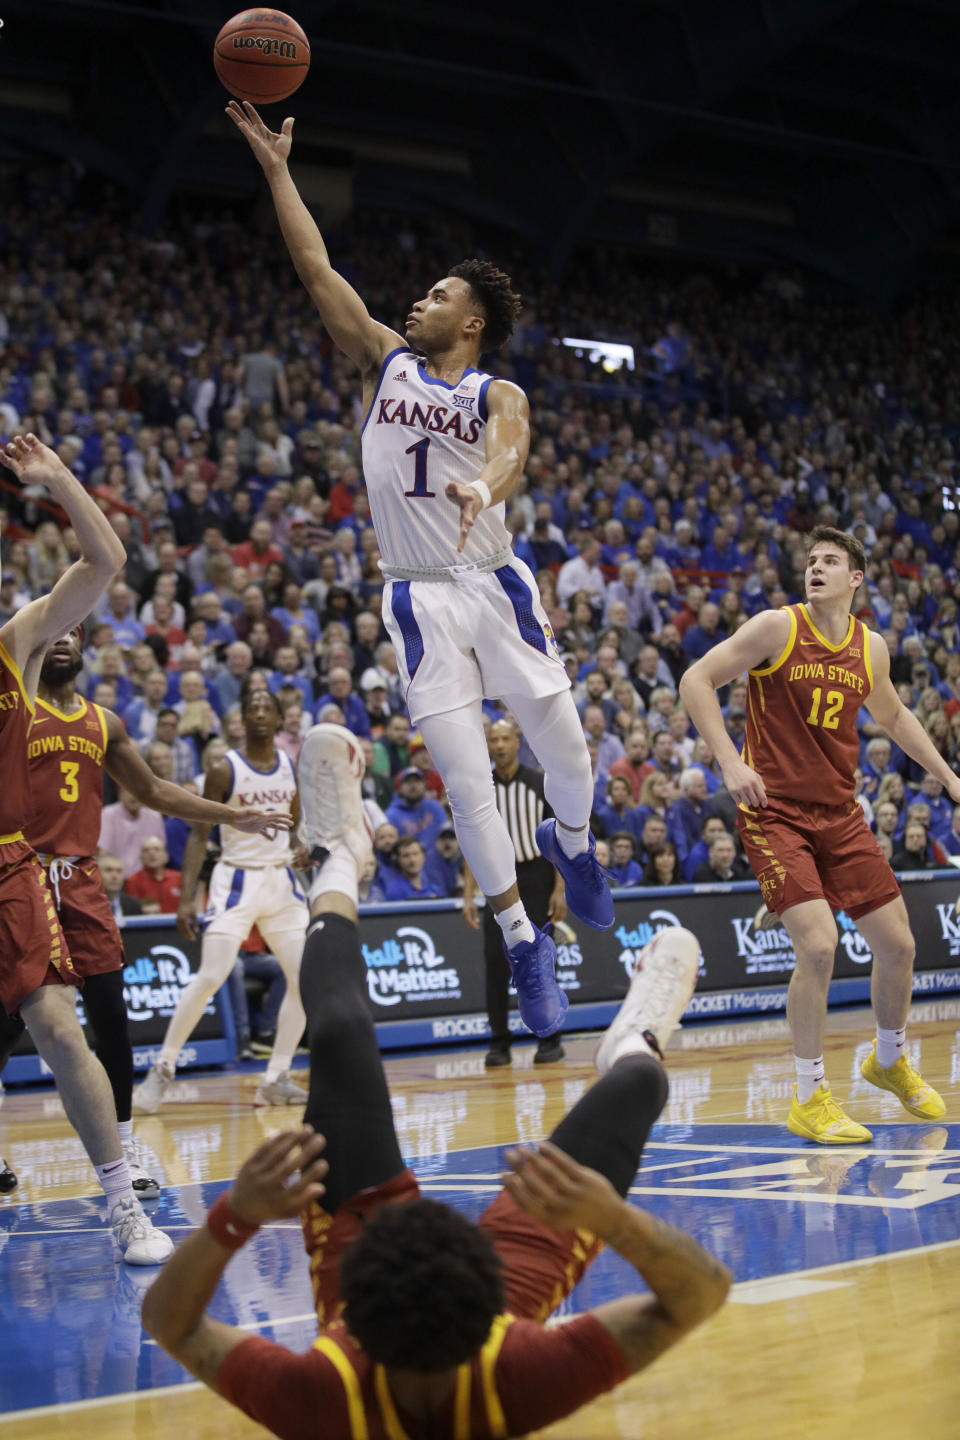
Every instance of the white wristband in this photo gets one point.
(483, 490)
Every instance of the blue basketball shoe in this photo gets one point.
(588, 893)
(533, 965)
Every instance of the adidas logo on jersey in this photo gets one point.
(400, 375)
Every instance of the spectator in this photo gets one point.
(444, 864)
(623, 870)
(915, 852)
(619, 815)
(142, 714)
(124, 826)
(652, 836)
(183, 753)
(609, 747)
(121, 904)
(392, 752)
(661, 866)
(702, 637)
(583, 573)
(254, 612)
(228, 684)
(652, 674)
(408, 881)
(340, 692)
(634, 764)
(155, 885)
(723, 863)
(699, 854)
(412, 811)
(686, 815)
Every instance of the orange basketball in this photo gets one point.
(261, 55)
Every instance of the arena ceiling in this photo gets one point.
(819, 132)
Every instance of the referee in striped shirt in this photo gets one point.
(520, 801)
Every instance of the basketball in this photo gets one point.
(261, 56)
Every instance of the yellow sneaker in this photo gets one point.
(820, 1118)
(907, 1084)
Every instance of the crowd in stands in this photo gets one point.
(187, 381)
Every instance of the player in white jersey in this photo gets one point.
(444, 446)
(253, 883)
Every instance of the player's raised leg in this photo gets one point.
(887, 932)
(458, 749)
(554, 733)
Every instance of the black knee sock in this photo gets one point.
(608, 1128)
(11, 1028)
(107, 1013)
(348, 1102)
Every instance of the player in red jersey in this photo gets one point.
(432, 1325)
(810, 667)
(36, 974)
(72, 743)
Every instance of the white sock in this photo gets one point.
(126, 1131)
(572, 841)
(810, 1076)
(338, 872)
(115, 1179)
(891, 1044)
(515, 925)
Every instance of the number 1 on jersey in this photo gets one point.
(420, 491)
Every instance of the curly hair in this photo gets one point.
(421, 1287)
(499, 302)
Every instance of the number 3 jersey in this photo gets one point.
(801, 734)
(420, 434)
(66, 757)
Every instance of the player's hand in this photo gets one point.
(34, 463)
(470, 506)
(270, 147)
(260, 822)
(470, 913)
(560, 1192)
(280, 1178)
(300, 856)
(187, 919)
(557, 906)
(744, 784)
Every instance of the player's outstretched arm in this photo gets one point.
(128, 768)
(508, 445)
(341, 309)
(902, 726)
(688, 1283)
(758, 641)
(280, 1178)
(77, 591)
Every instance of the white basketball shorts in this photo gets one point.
(482, 636)
(271, 899)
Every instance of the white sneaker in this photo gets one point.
(145, 1187)
(139, 1242)
(150, 1094)
(663, 981)
(282, 1091)
(330, 769)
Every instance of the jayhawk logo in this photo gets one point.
(551, 638)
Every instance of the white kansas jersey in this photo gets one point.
(266, 790)
(420, 434)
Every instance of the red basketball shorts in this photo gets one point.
(540, 1265)
(87, 920)
(804, 851)
(33, 951)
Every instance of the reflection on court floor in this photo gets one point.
(781, 1214)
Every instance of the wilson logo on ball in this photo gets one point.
(266, 43)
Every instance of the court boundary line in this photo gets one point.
(67, 1407)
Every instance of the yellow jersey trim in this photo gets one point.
(866, 656)
(391, 1420)
(11, 664)
(103, 727)
(823, 639)
(12, 838)
(461, 1405)
(488, 1360)
(769, 669)
(61, 715)
(358, 1419)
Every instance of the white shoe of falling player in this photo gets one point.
(330, 770)
(664, 979)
